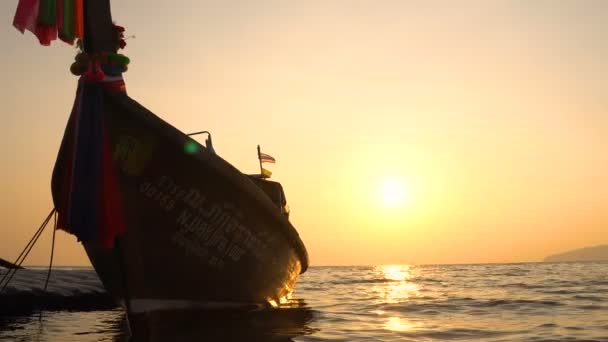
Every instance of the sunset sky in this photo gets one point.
(404, 131)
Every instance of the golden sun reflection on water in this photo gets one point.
(396, 272)
(399, 324)
(396, 288)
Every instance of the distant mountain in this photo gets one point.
(597, 253)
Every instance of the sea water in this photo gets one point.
(483, 302)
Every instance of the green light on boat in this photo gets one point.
(191, 147)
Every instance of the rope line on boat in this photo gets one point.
(8, 276)
(48, 275)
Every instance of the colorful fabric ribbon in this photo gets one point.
(90, 201)
(66, 32)
(49, 19)
(86, 192)
(78, 18)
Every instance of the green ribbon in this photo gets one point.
(47, 12)
(67, 29)
(118, 58)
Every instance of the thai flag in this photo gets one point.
(265, 158)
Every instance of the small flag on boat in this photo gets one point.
(266, 173)
(265, 158)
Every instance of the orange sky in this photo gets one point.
(493, 115)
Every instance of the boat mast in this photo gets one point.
(99, 33)
(100, 36)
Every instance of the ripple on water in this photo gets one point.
(515, 302)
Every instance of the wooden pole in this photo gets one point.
(99, 33)
(260, 160)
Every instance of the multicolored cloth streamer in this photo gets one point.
(50, 19)
(89, 202)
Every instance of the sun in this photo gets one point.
(394, 192)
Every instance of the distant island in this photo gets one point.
(597, 253)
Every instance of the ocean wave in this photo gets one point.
(471, 306)
(363, 281)
(484, 303)
(458, 333)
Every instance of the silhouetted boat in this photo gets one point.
(166, 222)
(8, 264)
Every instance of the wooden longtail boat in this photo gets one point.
(166, 222)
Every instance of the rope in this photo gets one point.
(8, 276)
(48, 275)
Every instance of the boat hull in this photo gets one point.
(199, 233)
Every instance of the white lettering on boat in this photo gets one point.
(213, 231)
